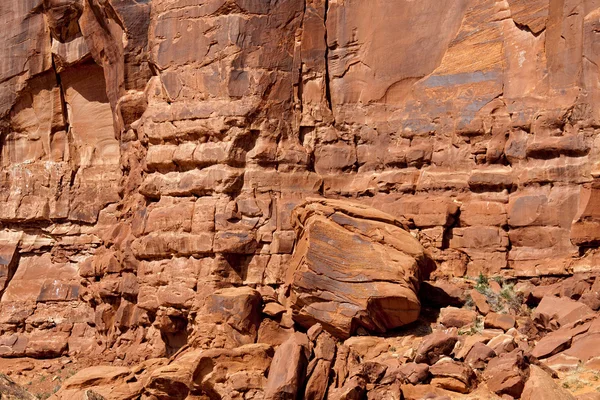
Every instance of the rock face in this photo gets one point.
(152, 153)
(353, 266)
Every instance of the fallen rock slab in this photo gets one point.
(413, 373)
(456, 317)
(96, 376)
(561, 310)
(559, 340)
(452, 375)
(507, 374)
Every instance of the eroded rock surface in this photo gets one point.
(152, 153)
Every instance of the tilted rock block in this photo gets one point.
(353, 266)
(456, 317)
(452, 375)
(562, 310)
(98, 375)
(435, 346)
(540, 385)
(216, 371)
(507, 374)
(13, 391)
(559, 340)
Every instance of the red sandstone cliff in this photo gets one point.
(152, 152)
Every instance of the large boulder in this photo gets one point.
(353, 266)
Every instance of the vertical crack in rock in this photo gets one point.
(327, 83)
(63, 102)
(299, 66)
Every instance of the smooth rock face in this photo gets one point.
(353, 266)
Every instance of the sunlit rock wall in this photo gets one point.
(152, 151)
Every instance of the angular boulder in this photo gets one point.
(456, 317)
(435, 346)
(353, 266)
(288, 369)
(560, 311)
(507, 374)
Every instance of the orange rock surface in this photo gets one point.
(186, 176)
